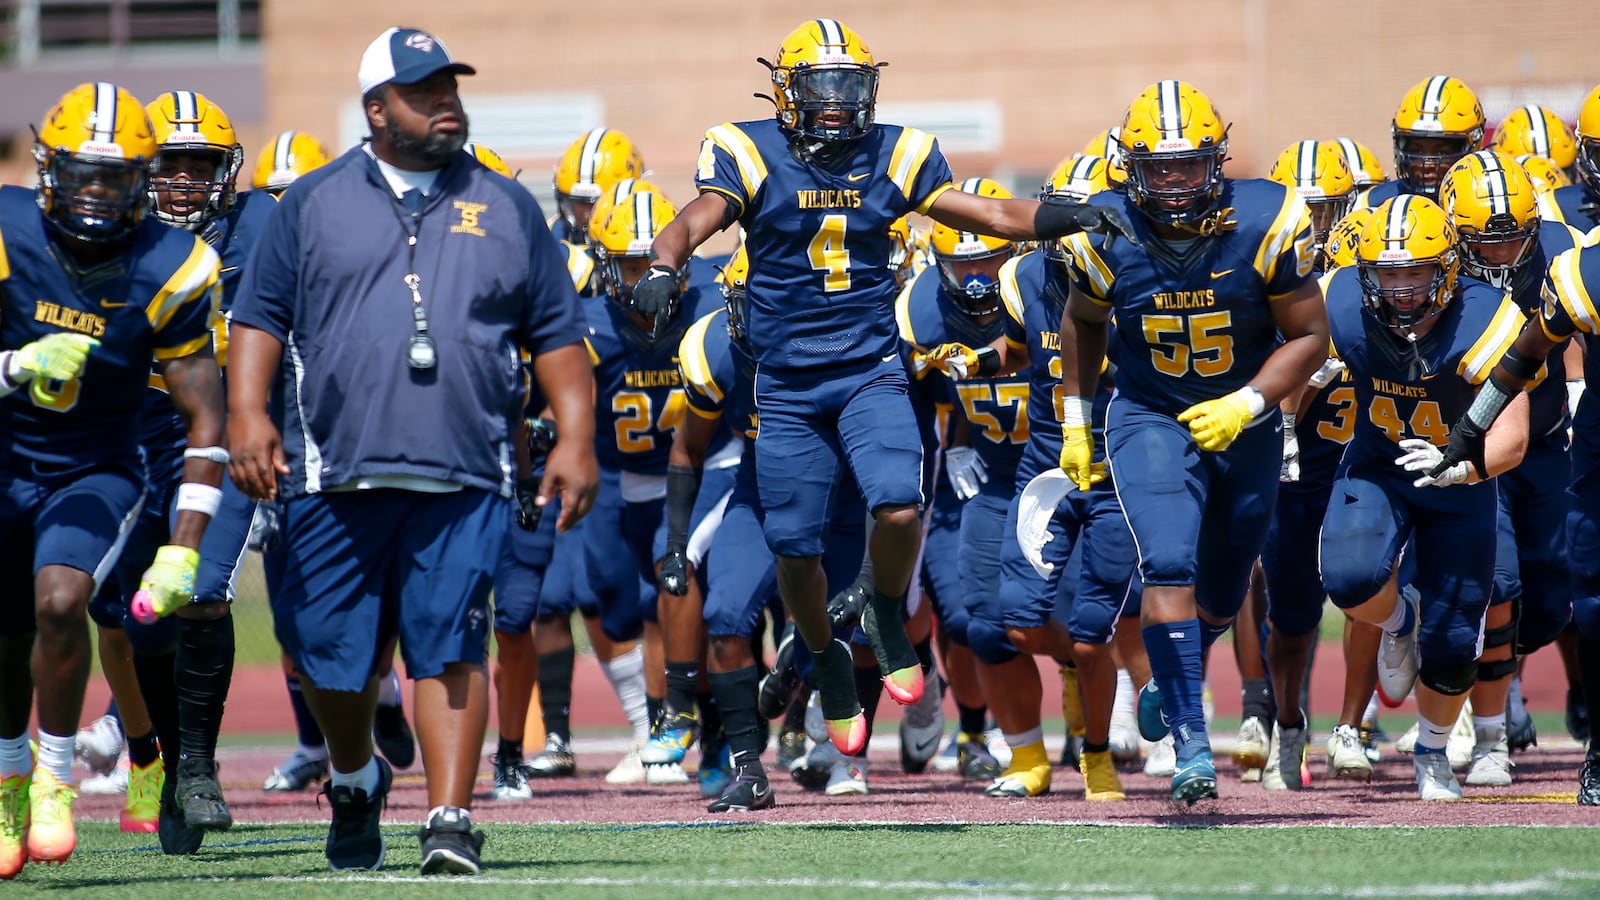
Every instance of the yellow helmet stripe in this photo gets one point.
(282, 151)
(1352, 155)
(590, 155)
(1433, 98)
(1394, 230)
(1538, 129)
(1171, 122)
(105, 112)
(832, 34)
(1495, 179)
(1305, 170)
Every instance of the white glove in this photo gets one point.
(1291, 451)
(1323, 376)
(1421, 456)
(1574, 394)
(967, 471)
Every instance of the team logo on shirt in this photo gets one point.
(69, 318)
(469, 218)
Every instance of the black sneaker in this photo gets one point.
(354, 841)
(392, 735)
(1589, 782)
(748, 791)
(201, 796)
(781, 684)
(449, 845)
(177, 838)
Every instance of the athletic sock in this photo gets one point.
(16, 758)
(734, 696)
(555, 691)
(157, 684)
(1401, 621)
(711, 726)
(626, 674)
(869, 690)
(365, 778)
(204, 673)
(1174, 651)
(305, 724)
(143, 750)
(1515, 706)
(55, 754)
(508, 751)
(924, 650)
(970, 719)
(1209, 633)
(794, 718)
(1257, 699)
(680, 686)
(1431, 736)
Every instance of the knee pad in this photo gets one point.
(989, 642)
(1450, 678)
(1504, 636)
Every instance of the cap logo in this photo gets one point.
(423, 42)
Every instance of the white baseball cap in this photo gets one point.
(405, 56)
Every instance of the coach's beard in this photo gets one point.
(433, 149)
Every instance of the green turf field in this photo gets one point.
(856, 861)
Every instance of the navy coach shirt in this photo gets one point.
(328, 279)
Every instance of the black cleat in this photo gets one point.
(973, 759)
(782, 683)
(1589, 782)
(354, 841)
(449, 845)
(392, 735)
(201, 797)
(177, 838)
(749, 791)
(1070, 751)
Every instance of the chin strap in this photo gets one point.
(1213, 223)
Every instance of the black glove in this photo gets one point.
(541, 435)
(1058, 217)
(652, 296)
(673, 573)
(845, 609)
(528, 508)
(1466, 443)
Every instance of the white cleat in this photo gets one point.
(1286, 760)
(1435, 781)
(1408, 741)
(100, 745)
(1347, 759)
(665, 774)
(630, 770)
(848, 777)
(1398, 662)
(1463, 738)
(1255, 743)
(1161, 760)
(1491, 762)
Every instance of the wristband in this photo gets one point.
(217, 455)
(200, 498)
(1076, 411)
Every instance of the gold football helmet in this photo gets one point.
(1495, 209)
(1409, 233)
(1108, 146)
(969, 263)
(1343, 237)
(1546, 176)
(622, 244)
(592, 163)
(1173, 143)
(1077, 177)
(1535, 129)
(1588, 134)
(734, 279)
(490, 159)
(1365, 169)
(1439, 121)
(290, 155)
(909, 251)
(188, 125)
(1316, 171)
(94, 153)
(824, 82)
(619, 192)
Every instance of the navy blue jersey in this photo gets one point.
(1374, 196)
(1034, 291)
(1547, 403)
(580, 265)
(639, 396)
(1575, 206)
(1324, 427)
(1572, 305)
(1200, 329)
(996, 409)
(1407, 389)
(821, 293)
(719, 376)
(154, 301)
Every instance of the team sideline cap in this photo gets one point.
(405, 56)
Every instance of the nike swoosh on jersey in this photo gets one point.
(855, 178)
(107, 304)
(1222, 274)
(890, 358)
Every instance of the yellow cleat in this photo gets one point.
(13, 824)
(1027, 776)
(1100, 781)
(1072, 701)
(142, 812)
(51, 836)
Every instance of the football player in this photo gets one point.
(1579, 204)
(1536, 130)
(1365, 169)
(816, 189)
(1438, 121)
(290, 155)
(588, 167)
(125, 293)
(1218, 320)
(1418, 340)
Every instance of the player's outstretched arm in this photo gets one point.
(1026, 220)
(1469, 435)
(253, 441)
(702, 217)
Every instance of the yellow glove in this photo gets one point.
(1077, 456)
(961, 362)
(1215, 423)
(58, 357)
(167, 584)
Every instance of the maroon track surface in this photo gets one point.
(1543, 793)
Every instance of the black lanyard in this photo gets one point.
(421, 353)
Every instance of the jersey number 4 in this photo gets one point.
(637, 425)
(829, 255)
